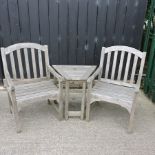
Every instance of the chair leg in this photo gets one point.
(87, 111)
(60, 110)
(10, 103)
(131, 119)
(16, 116)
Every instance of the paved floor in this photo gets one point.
(105, 134)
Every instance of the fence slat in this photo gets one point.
(24, 20)
(92, 15)
(63, 51)
(82, 25)
(14, 20)
(72, 28)
(43, 18)
(34, 20)
(54, 31)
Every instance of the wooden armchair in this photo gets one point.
(27, 77)
(123, 68)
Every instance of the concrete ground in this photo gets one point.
(105, 134)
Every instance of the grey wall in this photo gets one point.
(75, 30)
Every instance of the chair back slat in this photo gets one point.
(40, 63)
(107, 65)
(114, 65)
(26, 60)
(20, 64)
(47, 60)
(34, 62)
(121, 63)
(141, 69)
(127, 67)
(134, 69)
(13, 65)
(27, 63)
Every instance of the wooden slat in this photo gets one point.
(120, 65)
(73, 18)
(40, 63)
(24, 22)
(82, 25)
(34, 63)
(114, 65)
(107, 65)
(34, 20)
(27, 63)
(54, 31)
(63, 15)
(92, 15)
(43, 18)
(14, 20)
(111, 20)
(127, 67)
(13, 66)
(20, 65)
(134, 69)
(101, 22)
(141, 69)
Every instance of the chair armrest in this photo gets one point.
(59, 77)
(94, 75)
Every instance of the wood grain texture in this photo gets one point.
(116, 91)
(31, 89)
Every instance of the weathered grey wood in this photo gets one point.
(131, 119)
(20, 64)
(120, 92)
(114, 65)
(66, 100)
(75, 73)
(133, 69)
(127, 67)
(40, 64)
(107, 65)
(30, 89)
(120, 65)
(141, 69)
(34, 63)
(13, 65)
(83, 101)
(27, 63)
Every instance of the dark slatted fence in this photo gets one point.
(75, 30)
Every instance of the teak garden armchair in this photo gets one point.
(27, 77)
(119, 85)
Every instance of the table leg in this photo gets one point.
(83, 100)
(66, 100)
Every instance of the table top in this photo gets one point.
(74, 72)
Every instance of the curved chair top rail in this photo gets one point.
(121, 75)
(124, 48)
(19, 46)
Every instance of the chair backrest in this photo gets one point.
(25, 60)
(123, 65)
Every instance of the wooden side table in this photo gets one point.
(75, 73)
